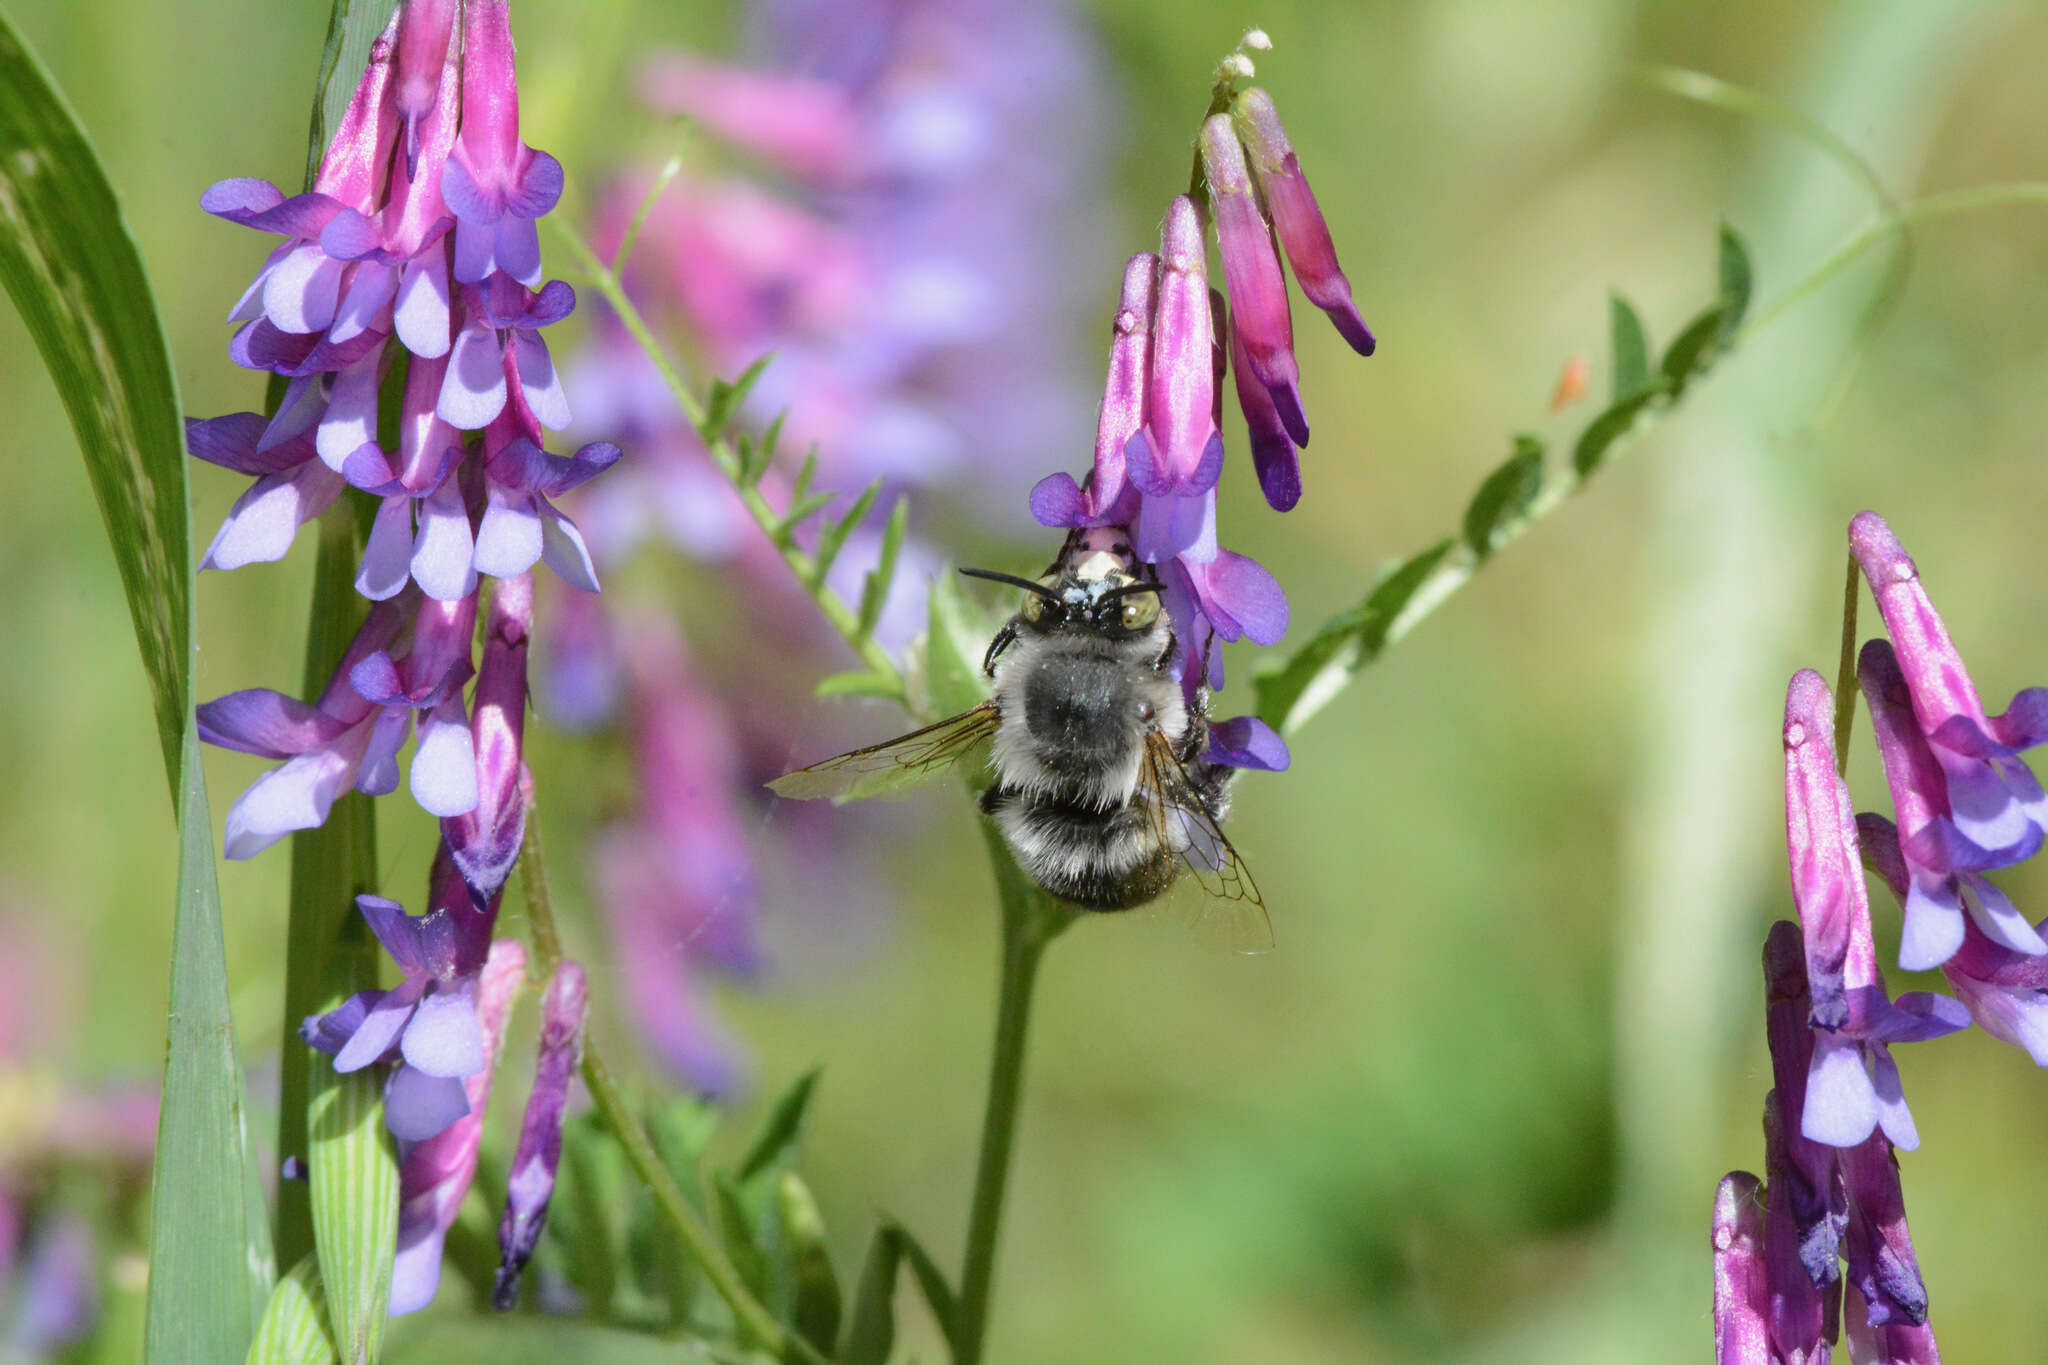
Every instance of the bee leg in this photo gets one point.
(1166, 654)
(1195, 738)
(1005, 637)
(992, 799)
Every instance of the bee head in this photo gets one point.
(1097, 594)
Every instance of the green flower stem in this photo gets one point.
(836, 612)
(1031, 920)
(754, 1319)
(1845, 674)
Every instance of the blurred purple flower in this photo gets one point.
(532, 1181)
(428, 1023)
(434, 1174)
(52, 1298)
(1996, 809)
(1852, 1084)
(678, 877)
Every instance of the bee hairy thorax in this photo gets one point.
(1068, 751)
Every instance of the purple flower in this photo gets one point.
(807, 126)
(532, 1181)
(1297, 220)
(1264, 339)
(428, 1023)
(1996, 809)
(499, 358)
(494, 183)
(1176, 456)
(1806, 1198)
(1897, 1343)
(1109, 498)
(291, 488)
(484, 842)
(521, 524)
(1853, 1084)
(2006, 991)
(434, 1173)
(1940, 886)
(422, 530)
(1741, 1303)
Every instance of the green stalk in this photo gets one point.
(1845, 674)
(1030, 921)
(331, 865)
(755, 1321)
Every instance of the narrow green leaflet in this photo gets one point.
(1609, 427)
(1631, 347)
(871, 1330)
(1737, 283)
(1505, 496)
(784, 1125)
(73, 271)
(207, 1281)
(727, 399)
(937, 1293)
(874, 592)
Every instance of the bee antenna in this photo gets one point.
(1127, 589)
(992, 576)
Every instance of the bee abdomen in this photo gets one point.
(1099, 860)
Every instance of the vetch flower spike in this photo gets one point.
(1853, 1084)
(532, 1182)
(1806, 1196)
(1997, 807)
(1940, 886)
(1297, 220)
(1178, 453)
(434, 1174)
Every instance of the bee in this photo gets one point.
(1100, 786)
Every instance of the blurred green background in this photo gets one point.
(1475, 1106)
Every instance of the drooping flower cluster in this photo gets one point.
(876, 209)
(412, 267)
(1965, 804)
(1158, 446)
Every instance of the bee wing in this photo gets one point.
(893, 766)
(1230, 911)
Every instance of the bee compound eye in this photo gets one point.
(1140, 610)
(1034, 607)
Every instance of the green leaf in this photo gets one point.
(937, 1293)
(1693, 351)
(1631, 347)
(756, 456)
(871, 1331)
(855, 684)
(726, 400)
(736, 1231)
(208, 1278)
(294, 1330)
(1505, 495)
(1737, 281)
(832, 539)
(815, 1306)
(588, 1216)
(955, 641)
(354, 1175)
(874, 591)
(1290, 692)
(72, 268)
(1604, 430)
(783, 1126)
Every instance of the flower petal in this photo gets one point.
(270, 724)
(444, 1037)
(444, 765)
(1841, 1105)
(378, 1035)
(509, 540)
(566, 553)
(421, 315)
(474, 390)
(417, 1106)
(441, 557)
